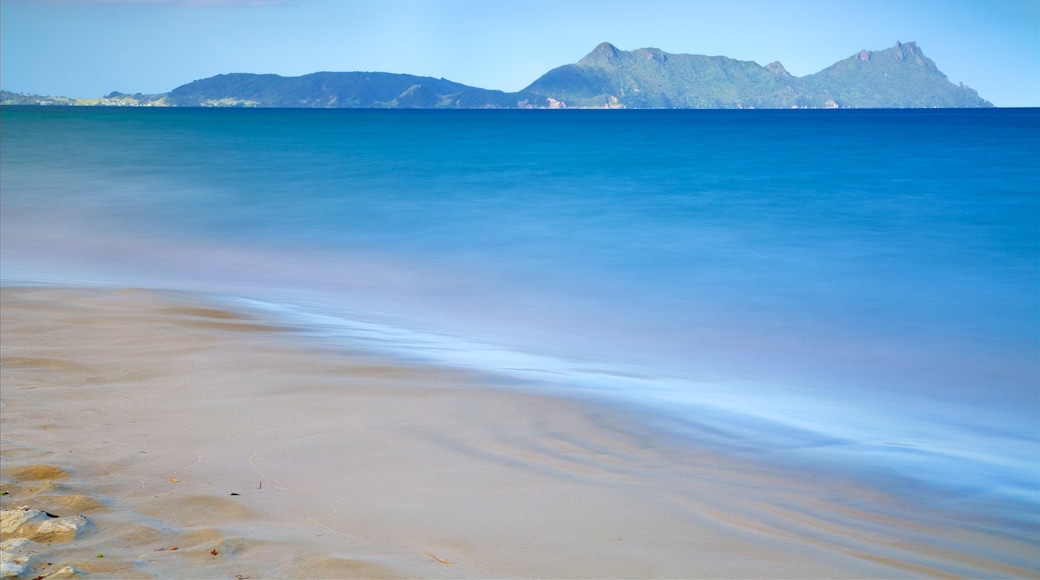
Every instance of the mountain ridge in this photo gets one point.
(607, 77)
(897, 77)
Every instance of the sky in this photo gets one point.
(89, 48)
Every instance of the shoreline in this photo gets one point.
(145, 411)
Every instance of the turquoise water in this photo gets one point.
(855, 290)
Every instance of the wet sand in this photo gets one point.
(197, 442)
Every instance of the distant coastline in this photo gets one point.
(607, 78)
(111, 100)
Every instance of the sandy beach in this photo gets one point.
(171, 437)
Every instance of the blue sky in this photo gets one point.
(88, 48)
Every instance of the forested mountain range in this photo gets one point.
(898, 77)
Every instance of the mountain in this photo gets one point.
(651, 78)
(337, 90)
(901, 76)
(898, 77)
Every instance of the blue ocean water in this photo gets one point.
(856, 290)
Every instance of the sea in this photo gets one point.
(851, 290)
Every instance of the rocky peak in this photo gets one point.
(909, 51)
(778, 69)
(904, 51)
(652, 54)
(600, 55)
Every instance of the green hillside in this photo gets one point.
(651, 78)
(337, 90)
(647, 78)
(899, 77)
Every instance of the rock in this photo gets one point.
(37, 526)
(65, 572)
(16, 557)
(12, 520)
(60, 530)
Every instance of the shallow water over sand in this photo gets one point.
(855, 289)
(204, 442)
